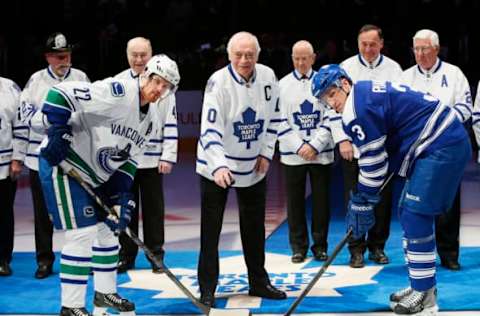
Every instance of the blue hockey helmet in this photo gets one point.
(327, 76)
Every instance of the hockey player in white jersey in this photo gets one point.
(448, 83)
(368, 64)
(59, 57)
(96, 129)
(306, 149)
(411, 134)
(239, 122)
(158, 157)
(13, 136)
(476, 119)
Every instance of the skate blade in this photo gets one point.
(103, 311)
(229, 312)
(428, 311)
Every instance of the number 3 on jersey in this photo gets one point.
(357, 129)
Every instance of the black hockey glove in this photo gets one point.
(59, 139)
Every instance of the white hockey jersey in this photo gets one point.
(163, 141)
(105, 119)
(239, 123)
(32, 100)
(303, 120)
(476, 118)
(381, 69)
(445, 82)
(13, 133)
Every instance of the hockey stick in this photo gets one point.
(205, 309)
(330, 259)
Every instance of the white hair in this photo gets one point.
(242, 35)
(139, 40)
(427, 34)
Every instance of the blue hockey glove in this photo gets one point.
(124, 206)
(59, 139)
(360, 213)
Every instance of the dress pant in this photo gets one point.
(7, 197)
(148, 188)
(296, 177)
(251, 205)
(378, 234)
(447, 230)
(43, 224)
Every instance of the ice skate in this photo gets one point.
(75, 311)
(418, 303)
(398, 295)
(103, 302)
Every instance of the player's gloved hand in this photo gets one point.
(124, 205)
(360, 213)
(59, 139)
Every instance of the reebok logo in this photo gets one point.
(412, 197)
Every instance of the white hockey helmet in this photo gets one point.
(165, 67)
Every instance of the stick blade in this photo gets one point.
(229, 312)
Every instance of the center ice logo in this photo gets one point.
(248, 130)
(233, 280)
(307, 119)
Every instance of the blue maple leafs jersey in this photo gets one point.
(239, 123)
(391, 125)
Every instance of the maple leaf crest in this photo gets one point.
(248, 130)
(307, 119)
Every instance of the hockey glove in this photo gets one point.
(59, 139)
(124, 206)
(360, 213)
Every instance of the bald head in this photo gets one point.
(303, 56)
(139, 52)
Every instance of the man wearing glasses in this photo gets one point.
(446, 82)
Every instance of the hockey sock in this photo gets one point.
(418, 229)
(75, 265)
(105, 260)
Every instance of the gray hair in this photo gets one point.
(241, 35)
(428, 34)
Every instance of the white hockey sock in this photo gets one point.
(105, 260)
(75, 265)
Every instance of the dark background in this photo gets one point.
(194, 33)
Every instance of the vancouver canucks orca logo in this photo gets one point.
(248, 130)
(107, 154)
(307, 119)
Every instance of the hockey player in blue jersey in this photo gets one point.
(398, 130)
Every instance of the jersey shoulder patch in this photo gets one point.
(117, 89)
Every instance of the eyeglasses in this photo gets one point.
(422, 49)
(248, 56)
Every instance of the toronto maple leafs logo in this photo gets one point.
(107, 154)
(307, 119)
(248, 130)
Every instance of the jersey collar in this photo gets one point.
(133, 74)
(372, 65)
(239, 79)
(54, 76)
(299, 76)
(432, 70)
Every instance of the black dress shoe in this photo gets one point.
(450, 263)
(5, 269)
(298, 257)
(356, 260)
(124, 265)
(43, 271)
(378, 256)
(207, 299)
(267, 291)
(320, 256)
